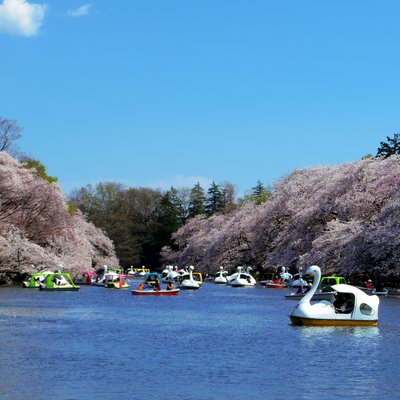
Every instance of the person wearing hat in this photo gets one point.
(369, 284)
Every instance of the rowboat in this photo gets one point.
(273, 285)
(152, 292)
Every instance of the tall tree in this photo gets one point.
(259, 194)
(9, 133)
(392, 146)
(197, 201)
(168, 218)
(215, 201)
(229, 193)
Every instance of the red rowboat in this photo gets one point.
(152, 292)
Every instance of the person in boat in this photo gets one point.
(278, 281)
(343, 304)
(170, 286)
(369, 284)
(157, 284)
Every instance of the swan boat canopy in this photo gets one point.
(350, 306)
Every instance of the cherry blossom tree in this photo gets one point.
(38, 232)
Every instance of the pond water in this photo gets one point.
(215, 343)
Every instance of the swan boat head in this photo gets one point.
(350, 307)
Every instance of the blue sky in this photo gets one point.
(170, 92)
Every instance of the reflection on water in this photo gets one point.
(215, 343)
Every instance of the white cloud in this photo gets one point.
(19, 17)
(80, 11)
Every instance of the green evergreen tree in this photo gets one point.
(215, 201)
(168, 218)
(197, 201)
(259, 194)
(392, 146)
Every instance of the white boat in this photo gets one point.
(169, 274)
(299, 281)
(221, 276)
(187, 281)
(285, 275)
(137, 272)
(242, 278)
(350, 307)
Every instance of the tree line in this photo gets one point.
(141, 221)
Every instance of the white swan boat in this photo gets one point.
(187, 281)
(242, 278)
(351, 306)
(221, 276)
(169, 274)
(298, 281)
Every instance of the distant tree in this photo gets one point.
(229, 193)
(136, 219)
(367, 157)
(105, 207)
(141, 223)
(196, 201)
(9, 133)
(169, 221)
(259, 194)
(215, 200)
(39, 169)
(392, 146)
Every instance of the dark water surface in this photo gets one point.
(215, 343)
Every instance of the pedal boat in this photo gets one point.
(33, 281)
(59, 282)
(220, 277)
(85, 278)
(242, 278)
(362, 309)
(189, 280)
(116, 281)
